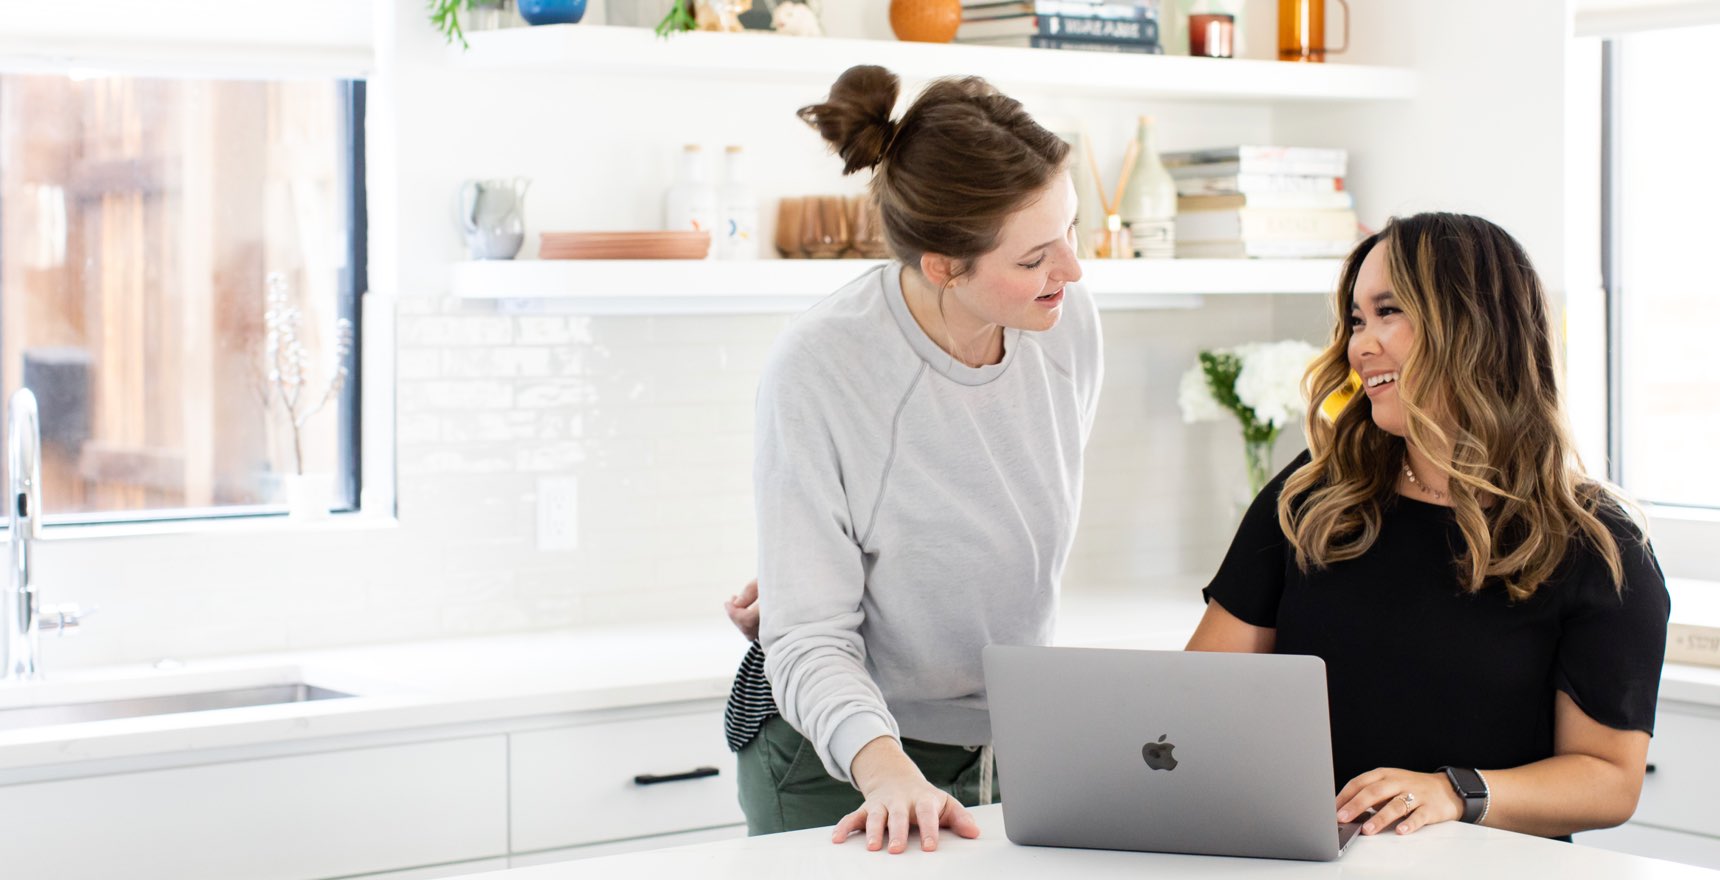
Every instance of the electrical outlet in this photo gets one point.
(557, 513)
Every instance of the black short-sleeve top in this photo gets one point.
(1421, 674)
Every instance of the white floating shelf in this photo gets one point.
(702, 287)
(781, 58)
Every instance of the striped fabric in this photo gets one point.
(750, 703)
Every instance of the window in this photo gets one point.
(140, 219)
(1660, 227)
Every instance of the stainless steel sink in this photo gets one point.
(167, 704)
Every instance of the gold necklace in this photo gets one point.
(1437, 495)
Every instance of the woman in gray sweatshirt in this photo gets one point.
(919, 444)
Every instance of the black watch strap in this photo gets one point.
(1471, 787)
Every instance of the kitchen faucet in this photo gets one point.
(23, 615)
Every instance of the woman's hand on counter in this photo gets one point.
(742, 609)
(899, 797)
(1416, 798)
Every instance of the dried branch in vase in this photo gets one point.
(287, 364)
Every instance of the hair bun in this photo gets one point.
(855, 119)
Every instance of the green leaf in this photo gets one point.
(678, 20)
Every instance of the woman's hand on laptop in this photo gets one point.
(897, 798)
(1416, 798)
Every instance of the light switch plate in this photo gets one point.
(558, 513)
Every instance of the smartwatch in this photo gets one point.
(1471, 786)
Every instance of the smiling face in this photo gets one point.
(1020, 282)
(1381, 338)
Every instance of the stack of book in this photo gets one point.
(1266, 202)
(1084, 25)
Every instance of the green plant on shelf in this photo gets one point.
(679, 19)
(445, 16)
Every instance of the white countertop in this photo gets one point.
(1438, 852)
(409, 686)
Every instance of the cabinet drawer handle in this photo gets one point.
(653, 779)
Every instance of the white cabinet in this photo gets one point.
(1676, 818)
(1656, 843)
(329, 814)
(590, 783)
(1680, 794)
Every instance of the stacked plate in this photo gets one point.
(624, 245)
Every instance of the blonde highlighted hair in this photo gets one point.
(1482, 364)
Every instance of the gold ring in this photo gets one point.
(1408, 801)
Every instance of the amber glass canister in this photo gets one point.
(1302, 30)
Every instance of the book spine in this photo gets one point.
(1076, 9)
(1257, 154)
(1107, 30)
(1689, 643)
(1252, 183)
(1315, 200)
(1306, 168)
(1096, 46)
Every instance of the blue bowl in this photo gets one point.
(552, 11)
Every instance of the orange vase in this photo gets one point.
(925, 21)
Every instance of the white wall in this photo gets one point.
(652, 415)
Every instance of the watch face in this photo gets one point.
(1467, 782)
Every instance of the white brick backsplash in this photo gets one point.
(553, 330)
(450, 460)
(455, 330)
(417, 429)
(550, 458)
(418, 363)
(486, 362)
(562, 393)
(488, 427)
(455, 394)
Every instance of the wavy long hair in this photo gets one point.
(1482, 364)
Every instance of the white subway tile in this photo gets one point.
(417, 429)
(454, 394)
(558, 393)
(453, 460)
(418, 363)
(549, 458)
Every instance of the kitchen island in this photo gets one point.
(1438, 852)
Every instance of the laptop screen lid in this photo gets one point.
(1163, 751)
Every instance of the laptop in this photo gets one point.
(1165, 751)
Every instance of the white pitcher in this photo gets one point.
(492, 213)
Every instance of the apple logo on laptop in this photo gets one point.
(1158, 754)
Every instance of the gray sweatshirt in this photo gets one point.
(911, 510)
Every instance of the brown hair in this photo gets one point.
(950, 171)
(1483, 361)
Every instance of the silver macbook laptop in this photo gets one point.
(1164, 751)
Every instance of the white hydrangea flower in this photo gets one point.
(1195, 398)
(1270, 382)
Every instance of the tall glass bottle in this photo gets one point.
(691, 204)
(1149, 206)
(737, 210)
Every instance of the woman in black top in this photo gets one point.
(1493, 623)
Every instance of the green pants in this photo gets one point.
(783, 786)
